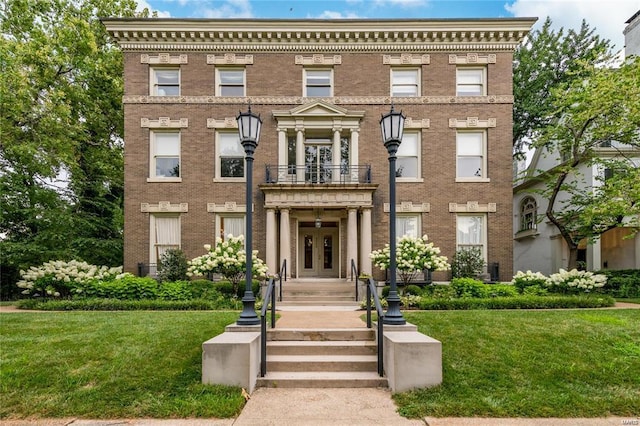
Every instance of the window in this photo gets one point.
(165, 155)
(528, 214)
(230, 156)
(317, 82)
(470, 82)
(470, 149)
(165, 81)
(165, 235)
(405, 82)
(408, 161)
(230, 82)
(408, 225)
(471, 233)
(230, 225)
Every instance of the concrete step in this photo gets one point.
(321, 363)
(323, 334)
(322, 379)
(318, 298)
(317, 302)
(334, 347)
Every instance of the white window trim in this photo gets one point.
(218, 82)
(152, 161)
(481, 179)
(484, 231)
(418, 82)
(419, 177)
(484, 79)
(304, 81)
(412, 215)
(153, 81)
(218, 177)
(218, 223)
(152, 227)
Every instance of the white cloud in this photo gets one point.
(329, 14)
(607, 17)
(400, 3)
(142, 4)
(229, 9)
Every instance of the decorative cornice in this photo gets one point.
(227, 207)
(299, 100)
(164, 123)
(264, 35)
(163, 58)
(225, 123)
(230, 59)
(473, 58)
(406, 59)
(164, 207)
(472, 122)
(472, 207)
(409, 207)
(421, 123)
(318, 60)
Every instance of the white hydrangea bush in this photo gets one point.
(575, 281)
(59, 278)
(522, 280)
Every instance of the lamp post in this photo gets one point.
(249, 125)
(392, 126)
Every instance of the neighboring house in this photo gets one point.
(321, 171)
(632, 35)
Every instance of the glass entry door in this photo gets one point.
(318, 251)
(318, 161)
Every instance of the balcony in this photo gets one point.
(318, 174)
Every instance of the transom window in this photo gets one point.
(408, 156)
(470, 82)
(528, 214)
(405, 82)
(165, 81)
(230, 82)
(165, 155)
(471, 233)
(230, 156)
(470, 149)
(318, 82)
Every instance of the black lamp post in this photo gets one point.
(249, 125)
(392, 126)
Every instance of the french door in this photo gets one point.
(318, 251)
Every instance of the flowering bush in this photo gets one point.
(227, 258)
(575, 281)
(59, 278)
(522, 280)
(413, 255)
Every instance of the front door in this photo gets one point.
(318, 251)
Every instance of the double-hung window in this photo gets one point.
(471, 82)
(165, 81)
(471, 156)
(230, 225)
(405, 82)
(230, 82)
(165, 155)
(408, 157)
(318, 82)
(408, 224)
(230, 156)
(165, 235)
(471, 233)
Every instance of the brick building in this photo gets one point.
(320, 170)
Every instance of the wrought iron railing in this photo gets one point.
(372, 293)
(354, 272)
(283, 277)
(318, 174)
(269, 300)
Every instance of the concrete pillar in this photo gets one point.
(365, 241)
(352, 238)
(271, 253)
(354, 161)
(300, 156)
(335, 152)
(282, 155)
(637, 238)
(285, 240)
(594, 262)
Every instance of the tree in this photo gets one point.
(547, 60)
(596, 108)
(61, 158)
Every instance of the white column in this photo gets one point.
(352, 239)
(594, 261)
(300, 156)
(282, 155)
(285, 240)
(365, 241)
(336, 155)
(637, 238)
(271, 253)
(354, 161)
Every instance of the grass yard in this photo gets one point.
(569, 363)
(110, 365)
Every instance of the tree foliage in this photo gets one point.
(61, 159)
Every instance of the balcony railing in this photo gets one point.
(315, 174)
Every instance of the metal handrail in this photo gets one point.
(283, 273)
(268, 298)
(371, 291)
(318, 174)
(354, 268)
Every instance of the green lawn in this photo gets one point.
(570, 363)
(110, 365)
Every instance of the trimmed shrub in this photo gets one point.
(518, 302)
(117, 305)
(385, 291)
(623, 283)
(469, 287)
(172, 266)
(127, 288)
(501, 290)
(177, 290)
(413, 290)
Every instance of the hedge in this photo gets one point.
(623, 283)
(519, 302)
(117, 305)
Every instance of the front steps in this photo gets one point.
(321, 358)
(325, 292)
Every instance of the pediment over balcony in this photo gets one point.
(318, 108)
(318, 113)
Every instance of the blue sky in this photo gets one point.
(607, 16)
